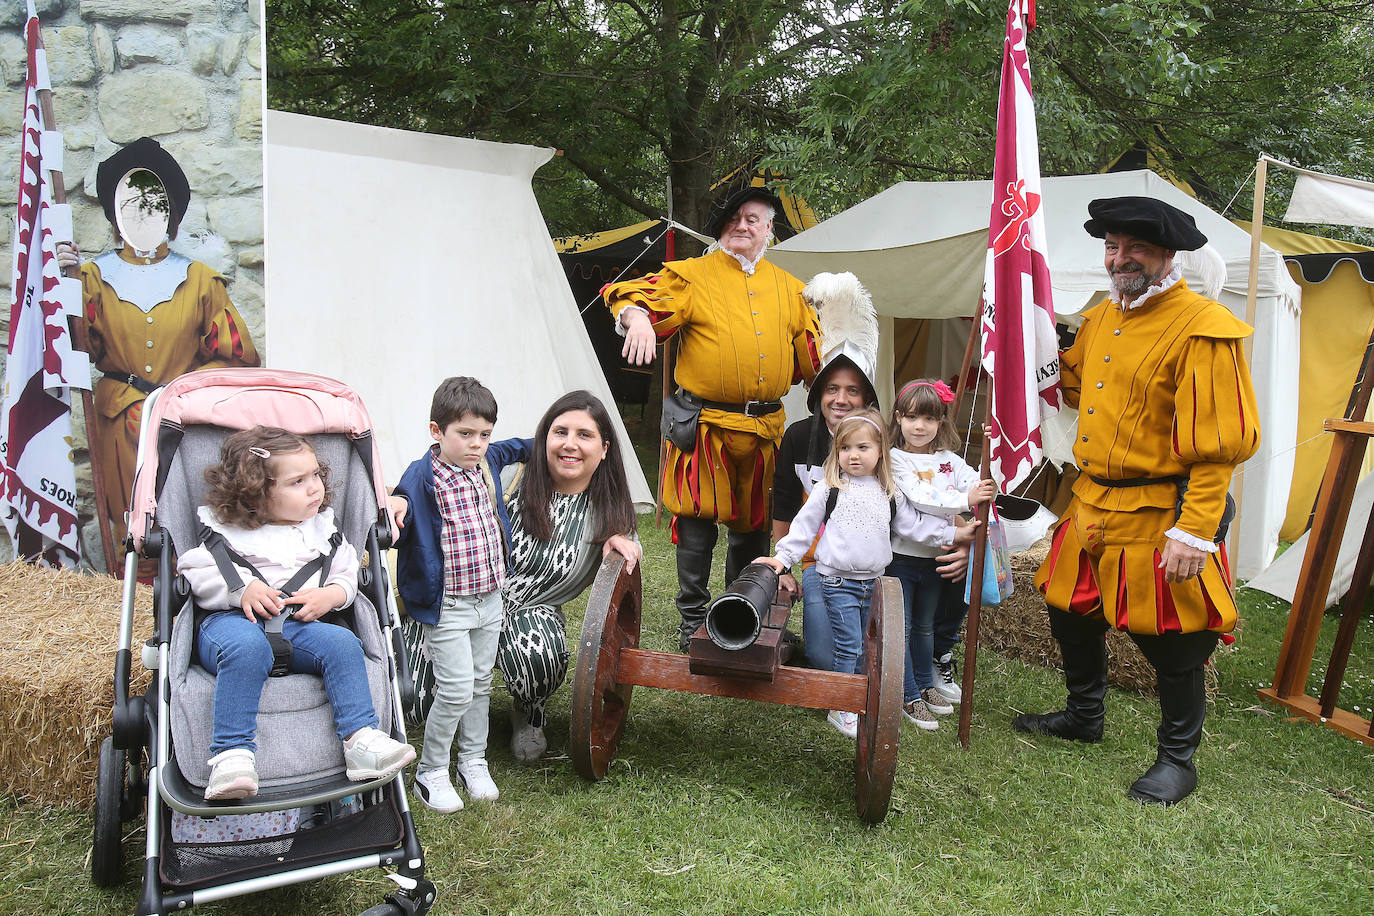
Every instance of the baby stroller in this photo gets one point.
(307, 821)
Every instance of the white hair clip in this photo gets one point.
(260, 452)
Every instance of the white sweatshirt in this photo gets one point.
(938, 483)
(857, 542)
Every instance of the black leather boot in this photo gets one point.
(1083, 643)
(696, 543)
(743, 548)
(1178, 659)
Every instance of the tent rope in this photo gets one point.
(1240, 187)
(633, 261)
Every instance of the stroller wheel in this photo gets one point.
(383, 909)
(107, 856)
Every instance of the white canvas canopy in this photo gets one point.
(396, 259)
(920, 248)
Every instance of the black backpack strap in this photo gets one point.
(831, 500)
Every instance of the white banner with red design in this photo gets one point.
(1020, 347)
(39, 478)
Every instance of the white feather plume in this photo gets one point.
(846, 313)
(1207, 264)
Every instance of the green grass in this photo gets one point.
(722, 806)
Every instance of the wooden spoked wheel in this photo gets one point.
(599, 704)
(875, 764)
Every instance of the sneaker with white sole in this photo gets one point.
(476, 779)
(918, 715)
(947, 678)
(373, 754)
(527, 742)
(936, 702)
(846, 723)
(436, 791)
(232, 775)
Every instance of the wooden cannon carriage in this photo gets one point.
(610, 665)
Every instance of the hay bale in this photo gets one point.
(1020, 628)
(58, 635)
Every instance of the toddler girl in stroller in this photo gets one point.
(267, 531)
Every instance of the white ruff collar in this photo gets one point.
(748, 265)
(1166, 282)
(282, 544)
(144, 285)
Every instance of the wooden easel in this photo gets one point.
(1318, 566)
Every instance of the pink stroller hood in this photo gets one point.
(301, 402)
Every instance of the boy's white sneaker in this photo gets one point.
(437, 792)
(846, 723)
(232, 775)
(476, 780)
(373, 754)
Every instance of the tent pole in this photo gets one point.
(669, 363)
(961, 383)
(1251, 300)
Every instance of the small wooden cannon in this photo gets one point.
(751, 666)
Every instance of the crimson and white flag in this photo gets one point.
(1020, 347)
(38, 490)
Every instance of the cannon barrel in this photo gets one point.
(735, 618)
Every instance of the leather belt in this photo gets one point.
(133, 381)
(749, 408)
(1135, 481)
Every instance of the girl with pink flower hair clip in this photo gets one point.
(938, 482)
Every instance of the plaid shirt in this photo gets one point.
(474, 557)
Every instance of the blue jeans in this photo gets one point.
(846, 608)
(236, 651)
(820, 644)
(929, 604)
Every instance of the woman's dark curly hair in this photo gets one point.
(240, 483)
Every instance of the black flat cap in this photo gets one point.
(1145, 218)
(723, 211)
(143, 153)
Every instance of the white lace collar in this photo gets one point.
(1166, 282)
(747, 265)
(282, 544)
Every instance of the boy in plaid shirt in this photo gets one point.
(450, 567)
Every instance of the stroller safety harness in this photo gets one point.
(226, 557)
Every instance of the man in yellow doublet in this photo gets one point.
(745, 337)
(1166, 412)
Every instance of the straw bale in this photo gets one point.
(58, 636)
(1019, 628)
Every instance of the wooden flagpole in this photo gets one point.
(975, 601)
(80, 340)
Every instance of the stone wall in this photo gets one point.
(187, 73)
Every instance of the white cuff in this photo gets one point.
(1197, 543)
(620, 325)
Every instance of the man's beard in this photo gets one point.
(1133, 285)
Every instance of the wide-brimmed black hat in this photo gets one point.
(144, 153)
(1145, 218)
(722, 212)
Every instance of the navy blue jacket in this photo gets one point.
(419, 556)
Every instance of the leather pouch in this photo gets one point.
(681, 412)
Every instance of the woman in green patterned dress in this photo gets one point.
(567, 512)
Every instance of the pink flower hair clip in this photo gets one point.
(942, 391)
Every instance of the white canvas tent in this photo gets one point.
(920, 248)
(396, 259)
